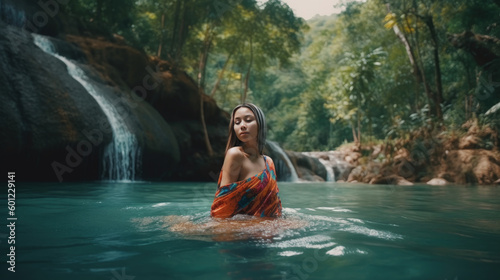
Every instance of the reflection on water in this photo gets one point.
(239, 227)
(159, 230)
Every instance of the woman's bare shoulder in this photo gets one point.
(234, 155)
(233, 161)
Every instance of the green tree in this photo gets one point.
(357, 97)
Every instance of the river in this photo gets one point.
(109, 230)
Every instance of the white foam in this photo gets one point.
(290, 210)
(355, 220)
(161, 204)
(334, 209)
(337, 251)
(373, 233)
(310, 242)
(289, 253)
(133, 207)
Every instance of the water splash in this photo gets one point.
(122, 156)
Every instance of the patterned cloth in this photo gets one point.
(256, 196)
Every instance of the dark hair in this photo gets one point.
(233, 140)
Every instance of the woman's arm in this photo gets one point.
(232, 166)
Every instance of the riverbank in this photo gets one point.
(467, 156)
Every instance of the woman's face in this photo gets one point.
(245, 125)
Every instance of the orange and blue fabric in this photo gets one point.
(256, 196)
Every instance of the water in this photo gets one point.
(331, 231)
(122, 156)
(283, 156)
(330, 175)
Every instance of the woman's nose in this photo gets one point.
(243, 127)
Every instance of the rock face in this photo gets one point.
(174, 95)
(390, 180)
(338, 164)
(308, 168)
(461, 160)
(54, 130)
(43, 110)
(472, 167)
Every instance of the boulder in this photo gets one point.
(307, 175)
(48, 117)
(357, 174)
(476, 166)
(171, 93)
(45, 113)
(469, 142)
(437, 182)
(336, 161)
(390, 180)
(366, 173)
(307, 166)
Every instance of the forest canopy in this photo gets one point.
(378, 70)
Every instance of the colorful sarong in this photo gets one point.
(257, 195)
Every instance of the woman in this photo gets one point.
(247, 182)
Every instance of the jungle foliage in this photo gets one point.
(379, 70)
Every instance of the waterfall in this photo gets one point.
(284, 157)
(327, 163)
(330, 175)
(122, 156)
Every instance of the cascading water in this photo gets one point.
(330, 175)
(328, 164)
(335, 162)
(284, 157)
(122, 156)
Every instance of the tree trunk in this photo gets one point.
(179, 31)
(427, 87)
(418, 70)
(438, 97)
(221, 74)
(207, 42)
(183, 30)
(247, 77)
(409, 50)
(358, 115)
(160, 45)
(98, 15)
(354, 135)
(177, 13)
(359, 130)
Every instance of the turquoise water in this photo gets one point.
(125, 231)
